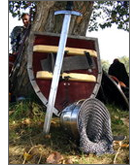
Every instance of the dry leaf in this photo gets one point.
(116, 142)
(48, 136)
(27, 156)
(13, 122)
(69, 161)
(124, 145)
(54, 158)
(26, 121)
(116, 117)
(125, 121)
(11, 112)
(53, 122)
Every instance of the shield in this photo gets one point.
(81, 72)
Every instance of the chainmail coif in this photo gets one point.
(94, 126)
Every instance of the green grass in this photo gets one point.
(119, 120)
(26, 136)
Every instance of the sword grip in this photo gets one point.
(69, 5)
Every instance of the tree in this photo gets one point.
(105, 65)
(125, 61)
(108, 12)
(44, 20)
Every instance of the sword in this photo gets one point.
(58, 64)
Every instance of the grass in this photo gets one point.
(119, 120)
(28, 145)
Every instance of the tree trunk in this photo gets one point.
(46, 21)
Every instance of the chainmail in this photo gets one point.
(94, 126)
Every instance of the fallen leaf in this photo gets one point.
(117, 143)
(27, 156)
(26, 121)
(11, 112)
(48, 136)
(116, 117)
(54, 158)
(69, 161)
(125, 121)
(124, 145)
(13, 122)
(53, 122)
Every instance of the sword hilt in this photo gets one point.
(69, 5)
(68, 12)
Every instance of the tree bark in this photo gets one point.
(46, 21)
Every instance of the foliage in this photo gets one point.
(25, 108)
(105, 65)
(125, 61)
(16, 7)
(119, 119)
(105, 13)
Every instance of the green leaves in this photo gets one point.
(106, 13)
(16, 7)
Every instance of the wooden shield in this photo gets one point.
(81, 71)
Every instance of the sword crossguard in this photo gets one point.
(68, 12)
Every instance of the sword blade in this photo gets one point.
(56, 73)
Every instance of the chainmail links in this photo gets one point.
(95, 128)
